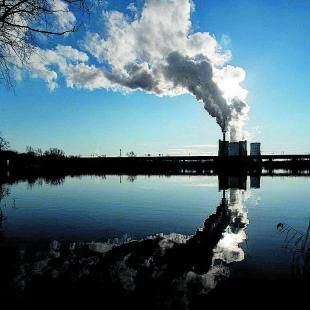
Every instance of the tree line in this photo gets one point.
(52, 152)
(30, 151)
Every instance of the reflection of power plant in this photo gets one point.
(238, 181)
(231, 149)
(228, 249)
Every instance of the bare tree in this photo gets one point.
(4, 143)
(38, 152)
(21, 20)
(30, 150)
(33, 152)
(55, 153)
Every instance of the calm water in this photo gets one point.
(139, 232)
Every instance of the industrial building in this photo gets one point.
(232, 148)
(239, 148)
(255, 149)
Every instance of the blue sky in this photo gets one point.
(269, 40)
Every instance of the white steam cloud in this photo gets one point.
(159, 53)
(155, 50)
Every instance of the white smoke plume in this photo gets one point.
(157, 51)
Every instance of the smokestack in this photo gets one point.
(224, 136)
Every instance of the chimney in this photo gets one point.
(224, 136)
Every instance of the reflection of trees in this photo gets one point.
(4, 192)
(131, 178)
(50, 180)
(54, 180)
(2, 217)
(33, 181)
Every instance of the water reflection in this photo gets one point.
(162, 271)
(297, 243)
(49, 180)
(167, 270)
(4, 192)
(131, 178)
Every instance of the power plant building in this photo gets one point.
(232, 148)
(255, 149)
(223, 148)
(243, 148)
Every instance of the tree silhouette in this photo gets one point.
(33, 152)
(20, 20)
(55, 153)
(4, 143)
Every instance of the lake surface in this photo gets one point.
(178, 241)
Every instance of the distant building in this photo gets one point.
(243, 148)
(232, 148)
(223, 148)
(255, 148)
